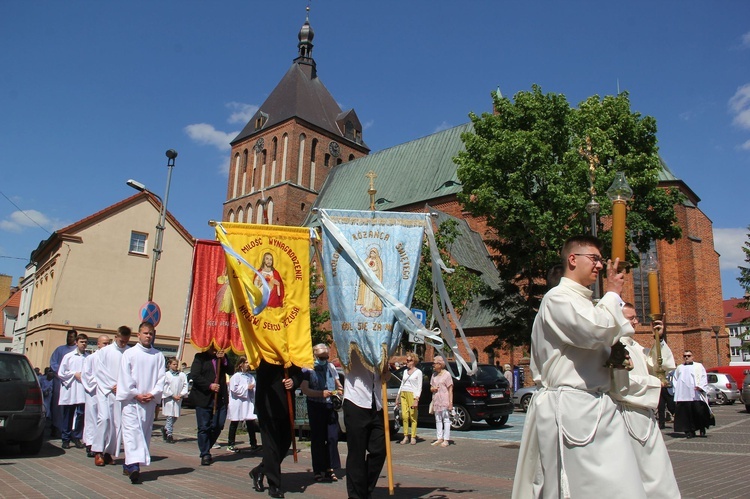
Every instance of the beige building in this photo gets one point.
(94, 276)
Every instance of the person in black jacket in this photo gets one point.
(272, 409)
(210, 397)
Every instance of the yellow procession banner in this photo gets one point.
(269, 275)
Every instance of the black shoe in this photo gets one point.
(690, 434)
(66, 444)
(90, 454)
(134, 476)
(703, 433)
(79, 444)
(206, 460)
(257, 478)
(170, 439)
(274, 492)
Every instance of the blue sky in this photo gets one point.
(93, 93)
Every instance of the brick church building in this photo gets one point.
(301, 150)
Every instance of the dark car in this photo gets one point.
(22, 415)
(484, 395)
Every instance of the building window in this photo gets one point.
(736, 351)
(138, 242)
(641, 290)
(327, 160)
(349, 130)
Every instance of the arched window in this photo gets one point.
(269, 210)
(230, 216)
(327, 160)
(236, 176)
(351, 157)
(240, 214)
(249, 213)
(259, 213)
(244, 172)
(301, 158)
(313, 150)
(264, 156)
(274, 151)
(285, 140)
(255, 168)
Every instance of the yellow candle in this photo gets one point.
(618, 230)
(653, 293)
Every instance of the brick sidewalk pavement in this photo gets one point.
(713, 467)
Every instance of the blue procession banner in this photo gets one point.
(370, 262)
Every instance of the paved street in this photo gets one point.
(480, 465)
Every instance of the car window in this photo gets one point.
(488, 374)
(712, 378)
(730, 379)
(14, 367)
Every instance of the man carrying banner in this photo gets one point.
(274, 321)
(210, 396)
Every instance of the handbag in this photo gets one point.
(430, 409)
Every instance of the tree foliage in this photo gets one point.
(522, 171)
(318, 316)
(744, 278)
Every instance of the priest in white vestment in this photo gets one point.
(575, 443)
(107, 438)
(139, 388)
(637, 391)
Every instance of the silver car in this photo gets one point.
(522, 397)
(728, 392)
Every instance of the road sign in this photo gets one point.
(422, 316)
(150, 312)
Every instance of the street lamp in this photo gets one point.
(716, 337)
(171, 155)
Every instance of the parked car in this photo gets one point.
(728, 392)
(484, 395)
(746, 392)
(712, 394)
(522, 397)
(738, 370)
(22, 417)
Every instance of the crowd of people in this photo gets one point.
(587, 426)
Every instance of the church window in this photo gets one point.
(249, 213)
(338, 161)
(313, 151)
(269, 210)
(259, 213)
(236, 175)
(230, 216)
(327, 160)
(641, 289)
(349, 130)
(285, 138)
(351, 157)
(240, 214)
(300, 158)
(274, 148)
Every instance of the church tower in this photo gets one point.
(285, 152)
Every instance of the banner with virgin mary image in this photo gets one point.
(268, 272)
(370, 262)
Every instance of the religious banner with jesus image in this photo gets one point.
(269, 277)
(370, 262)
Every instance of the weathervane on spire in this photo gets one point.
(371, 191)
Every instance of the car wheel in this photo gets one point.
(525, 400)
(32, 448)
(721, 398)
(460, 420)
(497, 422)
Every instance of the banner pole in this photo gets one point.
(188, 307)
(291, 416)
(387, 426)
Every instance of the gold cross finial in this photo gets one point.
(371, 191)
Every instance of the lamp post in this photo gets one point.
(716, 337)
(171, 155)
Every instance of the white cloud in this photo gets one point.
(442, 126)
(206, 134)
(223, 168)
(739, 106)
(745, 146)
(18, 221)
(368, 124)
(729, 243)
(746, 40)
(241, 113)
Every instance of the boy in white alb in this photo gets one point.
(175, 389)
(72, 394)
(139, 389)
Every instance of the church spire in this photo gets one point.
(305, 44)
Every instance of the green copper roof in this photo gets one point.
(408, 173)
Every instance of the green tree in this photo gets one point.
(522, 171)
(744, 278)
(462, 284)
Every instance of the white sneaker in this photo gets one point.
(216, 446)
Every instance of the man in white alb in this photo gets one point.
(89, 387)
(637, 392)
(575, 443)
(106, 370)
(139, 388)
(72, 395)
